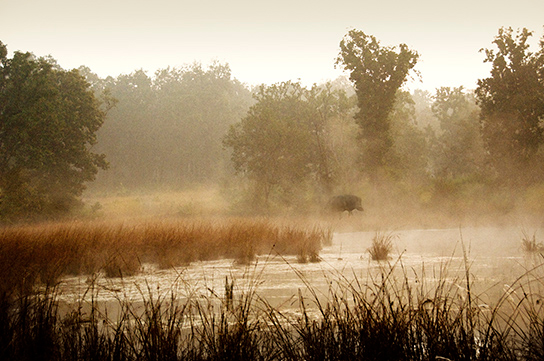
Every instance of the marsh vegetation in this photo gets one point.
(207, 240)
(44, 253)
(422, 304)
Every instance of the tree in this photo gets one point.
(457, 149)
(328, 107)
(512, 105)
(166, 129)
(423, 100)
(48, 121)
(408, 155)
(280, 144)
(129, 135)
(377, 73)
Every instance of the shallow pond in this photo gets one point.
(493, 257)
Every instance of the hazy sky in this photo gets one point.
(263, 41)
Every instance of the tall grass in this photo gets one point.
(390, 315)
(43, 253)
(529, 244)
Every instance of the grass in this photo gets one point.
(387, 316)
(530, 245)
(44, 253)
(382, 245)
(391, 313)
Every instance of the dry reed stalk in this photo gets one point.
(385, 316)
(530, 245)
(381, 246)
(44, 252)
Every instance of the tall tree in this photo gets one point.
(377, 72)
(48, 121)
(280, 144)
(512, 105)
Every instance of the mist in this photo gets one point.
(164, 141)
(216, 197)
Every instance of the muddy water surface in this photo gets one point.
(493, 257)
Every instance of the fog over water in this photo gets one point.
(493, 256)
(184, 75)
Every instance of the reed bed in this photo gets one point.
(43, 253)
(391, 315)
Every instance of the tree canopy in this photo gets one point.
(377, 73)
(281, 143)
(48, 123)
(512, 104)
(166, 129)
(457, 148)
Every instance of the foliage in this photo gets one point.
(166, 129)
(512, 105)
(457, 149)
(408, 156)
(281, 143)
(377, 73)
(48, 121)
(423, 100)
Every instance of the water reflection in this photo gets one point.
(492, 256)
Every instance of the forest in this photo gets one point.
(276, 149)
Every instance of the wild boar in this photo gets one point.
(345, 202)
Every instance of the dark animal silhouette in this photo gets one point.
(345, 202)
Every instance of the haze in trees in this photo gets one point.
(165, 131)
(48, 123)
(377, 73)
(282, 144)
(512, 107)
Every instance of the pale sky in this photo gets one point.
(262, 41)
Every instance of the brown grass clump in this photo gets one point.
(530, 245)
(42, 253)
(381, 247)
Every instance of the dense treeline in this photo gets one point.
(287, 146)
(165, 131)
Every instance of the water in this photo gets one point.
(493, 255)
